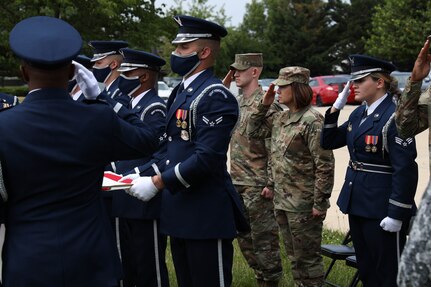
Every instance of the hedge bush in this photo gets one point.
(19, 91)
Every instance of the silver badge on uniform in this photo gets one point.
(185, 135)
(349, 127)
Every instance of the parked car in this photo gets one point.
(326, 89)
(264, 83)
(163, 90)
(171, 81)
(402, 80)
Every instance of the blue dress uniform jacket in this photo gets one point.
(58, 232)
(114, 93)
(386, 191)
(7, 101)
(152, 110)
(200, 201)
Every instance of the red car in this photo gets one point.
(326, 89)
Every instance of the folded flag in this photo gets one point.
(112, 181)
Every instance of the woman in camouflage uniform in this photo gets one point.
(303, 172)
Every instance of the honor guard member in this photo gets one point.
(58, 232)
(381, 179)
(201, 210)
(251, 173)
(73, 87)
(7, 101)
(107, 59)
(141, 244)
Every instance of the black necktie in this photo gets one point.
(365, 115)
(180, 88)
(130, 104)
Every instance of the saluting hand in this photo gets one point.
(267, 193)
(341, 100)
(421, 68)
(269, 96)
(86, 81)
(228, 79)
(318, 213)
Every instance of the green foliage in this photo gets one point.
(19, 91)
(137, 21)
(316, 34)
(243, 275)
(399, 30)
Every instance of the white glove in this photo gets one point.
(131, 176)
(341, 100)
(390, 224)
(86, 81)
(143, 188)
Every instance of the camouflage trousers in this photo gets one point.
(302, 236)
(260, 246)
(415, 264)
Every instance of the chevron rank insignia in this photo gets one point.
(212, 123)
(402, 142)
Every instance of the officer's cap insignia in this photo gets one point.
(402, 142)
(178, 20)
(352, 60)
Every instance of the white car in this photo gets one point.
(163, 90)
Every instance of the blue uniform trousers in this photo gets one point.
(138, 244)
(376, 251)
(202, 262)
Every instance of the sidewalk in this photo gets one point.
(334, 218)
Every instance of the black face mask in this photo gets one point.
(184, 65)
(128, 85)
(101, 74)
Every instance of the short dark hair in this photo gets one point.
(302, 94)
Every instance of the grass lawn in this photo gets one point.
(243, 276)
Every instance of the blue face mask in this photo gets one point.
(101, 74)
(184, 65)
(128, 85)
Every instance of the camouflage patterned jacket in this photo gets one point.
(412, 112)
(249, 156)
(303, 172)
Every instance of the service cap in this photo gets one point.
(45, 42)
(295, 74)
(192, 28)
(245, 61)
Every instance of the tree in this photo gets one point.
(399, 28)
(136, 21)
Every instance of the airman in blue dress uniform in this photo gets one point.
(380, 182)
(107, 59)
(58, 232)
(201, 211)
(141, 244)
(7, 101)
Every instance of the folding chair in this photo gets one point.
(351, 261)
(337, 252)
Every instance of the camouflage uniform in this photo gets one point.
(303, 179)
(250, 174)
(411, 119)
